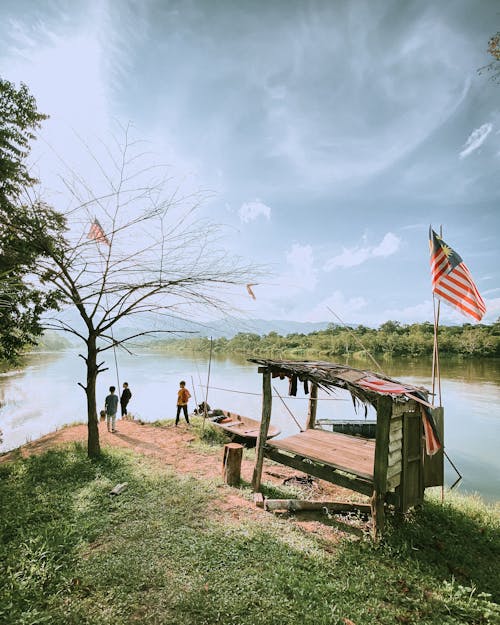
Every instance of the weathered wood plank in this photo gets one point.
(298, 505)
(346, 453)
(394, 457)
(393, 481)
(394, 470)
(322, 471)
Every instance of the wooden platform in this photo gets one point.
(341, 452)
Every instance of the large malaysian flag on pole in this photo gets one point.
(452, 281)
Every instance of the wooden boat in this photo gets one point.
(355, 427)
(239, 428)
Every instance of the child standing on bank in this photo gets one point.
(183, 396)
(111, 405)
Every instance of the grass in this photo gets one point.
(163, 553)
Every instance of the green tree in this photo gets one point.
(493, 67)
(28, 228)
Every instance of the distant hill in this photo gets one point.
(178, 327)
(52, 342)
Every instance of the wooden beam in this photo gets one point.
(298, 505)
(384, 413)
(264, 429)
(311, 411)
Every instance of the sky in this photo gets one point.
(330, 134)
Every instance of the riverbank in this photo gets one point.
(179, 546)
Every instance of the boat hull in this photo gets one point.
(242, 429)
(363, 428)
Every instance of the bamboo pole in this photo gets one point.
(194, 393)
(208, 385)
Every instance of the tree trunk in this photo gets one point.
(93, 448)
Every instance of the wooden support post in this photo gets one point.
(313, 404)
(231, 463)
(384, 413)
(264, 428)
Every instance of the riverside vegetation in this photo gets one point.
(165, 552)
(391, 339)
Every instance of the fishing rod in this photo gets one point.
(290, 412)
(356, 339)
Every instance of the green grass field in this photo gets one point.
(161, 552)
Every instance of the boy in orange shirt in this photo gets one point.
(183, 396)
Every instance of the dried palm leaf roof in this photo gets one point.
(364, 385)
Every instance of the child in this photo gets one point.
(111, 405)
(183, 396)
(124, 399)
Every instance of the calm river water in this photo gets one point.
(43, 396)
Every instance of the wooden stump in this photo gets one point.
(231, 463)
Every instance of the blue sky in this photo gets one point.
(330, 133)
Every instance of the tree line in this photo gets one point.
(392, 338)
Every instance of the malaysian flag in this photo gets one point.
(97, 233)
(452, 281)
(385, 387)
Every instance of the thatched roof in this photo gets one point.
(364, 385)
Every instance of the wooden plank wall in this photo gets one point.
(394, 464)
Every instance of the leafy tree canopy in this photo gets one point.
(494, 50)
(28, 228)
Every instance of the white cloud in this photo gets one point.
(476, 139)
(250, 211)
(346, 308)
(354, 256)
(389, 245)
(303, 274)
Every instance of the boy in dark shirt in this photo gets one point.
(111, 405)
(124, 399)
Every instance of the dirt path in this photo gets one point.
(172, 446)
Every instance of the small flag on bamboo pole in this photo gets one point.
(97, 233)
(250, 291)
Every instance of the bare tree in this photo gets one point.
(132, 249)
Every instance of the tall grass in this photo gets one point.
(165, 552)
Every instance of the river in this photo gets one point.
(43, 396)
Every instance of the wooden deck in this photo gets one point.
(341, 452)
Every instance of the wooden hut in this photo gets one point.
(393, 469)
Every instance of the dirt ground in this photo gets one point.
(173, 447)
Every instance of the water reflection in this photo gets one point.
(44, 395)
